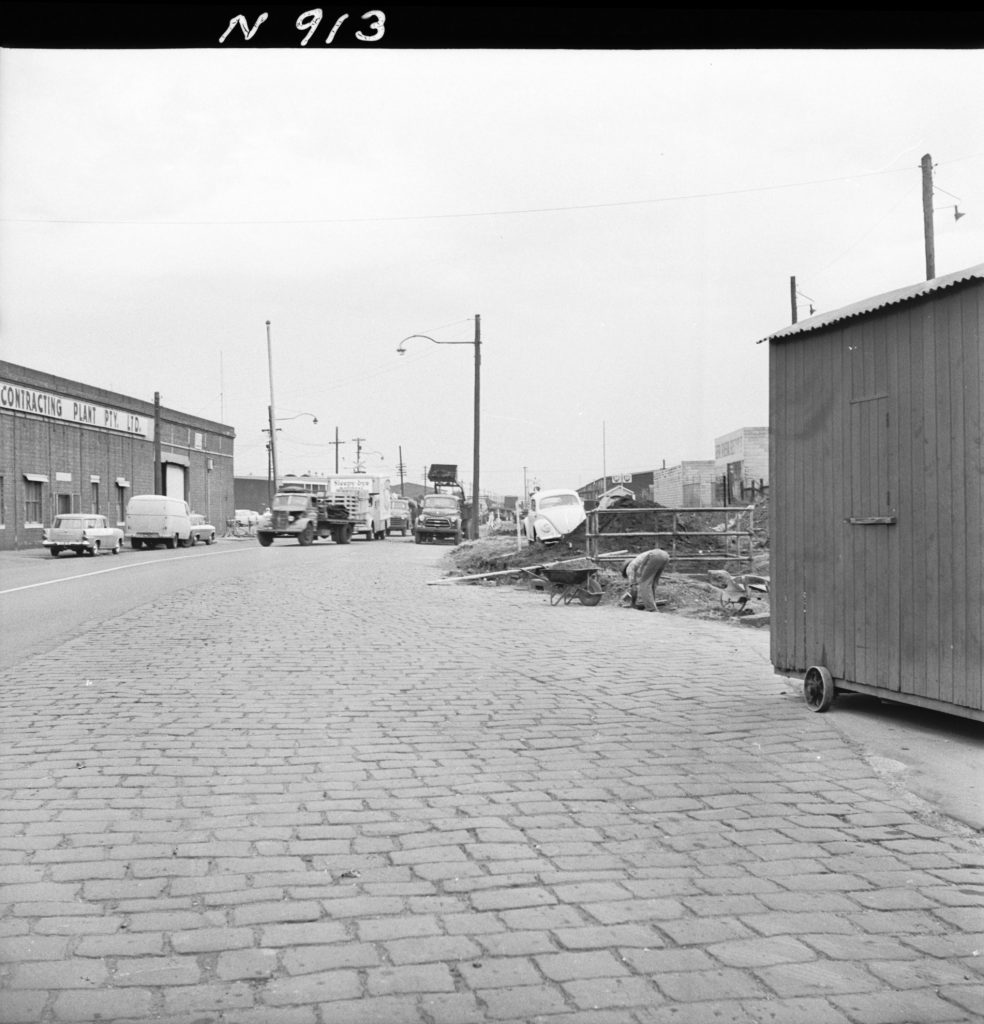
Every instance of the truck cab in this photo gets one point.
(440, 518)
(305, 516)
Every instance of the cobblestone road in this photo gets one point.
(344, 796)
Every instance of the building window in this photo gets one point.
(120, 504)
(64, 504)
(94, 498)
(32, 503)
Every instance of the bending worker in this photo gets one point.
(643, 573)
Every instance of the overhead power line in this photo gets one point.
(687, 197)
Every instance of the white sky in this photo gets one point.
(626, 223)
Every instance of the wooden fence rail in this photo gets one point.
(690, 535)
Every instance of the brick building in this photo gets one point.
(67, 446)
(687, 485)
(639, 483)
(741, 461)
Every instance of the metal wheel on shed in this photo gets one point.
(818, 688)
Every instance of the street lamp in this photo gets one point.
(360, 462)
(272, 445)
(283, 419)
(473, 519)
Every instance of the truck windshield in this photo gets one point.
(291, 501)
(439, 502)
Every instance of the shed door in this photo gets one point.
(873, 543)
(871, 488)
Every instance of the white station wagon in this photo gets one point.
(83, 534)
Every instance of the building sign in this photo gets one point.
(730, 446)
(17, 398)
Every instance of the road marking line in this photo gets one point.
(115, 568)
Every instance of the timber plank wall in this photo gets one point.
(878, 418)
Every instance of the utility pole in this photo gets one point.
(272, 460)
(792, 296)
(337, 444)
(273, 417)
(473, 524)
(401, 468)
(158, 489)
(927, 197)
(604, 460)
(358, 453)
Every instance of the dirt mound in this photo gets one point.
(693, 595)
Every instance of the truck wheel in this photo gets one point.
(265, 539)
(55, 552)
(416, 540)
(306, 536)
(457, 536)
(192, 540)
(116, 547)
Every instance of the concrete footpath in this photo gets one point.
(339, 795)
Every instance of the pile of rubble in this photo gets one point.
(708, 593)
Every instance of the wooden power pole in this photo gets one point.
(927, 194)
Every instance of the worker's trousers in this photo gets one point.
(647, 578)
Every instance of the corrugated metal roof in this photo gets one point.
(975, 273)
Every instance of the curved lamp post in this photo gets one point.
(360, 462)
(283, 419)
(473, 519)
(272, 446)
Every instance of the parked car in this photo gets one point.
(246, 517)
(83, 534)
(553, 514)
(201, 529)
(153, 519)
(399, 516)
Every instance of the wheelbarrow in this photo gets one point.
(569, 583)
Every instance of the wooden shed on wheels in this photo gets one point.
(877, 498)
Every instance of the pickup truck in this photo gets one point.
(439, 519)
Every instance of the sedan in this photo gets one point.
(201, 530)
(553, 514)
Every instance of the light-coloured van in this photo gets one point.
(153, 519)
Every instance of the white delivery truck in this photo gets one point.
(154, 519)
(367, 497)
